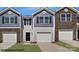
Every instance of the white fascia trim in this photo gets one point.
(8, 9)
(45, 9)
(67, 7)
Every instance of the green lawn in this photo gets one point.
(76, 49)
(24, 48)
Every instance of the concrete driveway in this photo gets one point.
(72, 42)
(5, 45)
(51, 47)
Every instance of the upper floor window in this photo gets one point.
(78, 19)
(12, 20)
(44, 19)
(27, 21)
(9, 19)
(68, 17)
(6, 20)
(65, 17)
(41, 20)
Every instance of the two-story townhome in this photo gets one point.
(10, 26)
(39, 27)
(43, 25)
(66, 24)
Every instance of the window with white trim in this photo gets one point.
(62, 17)
(27, 21)
(68, 17)
(44, 19)
(65, 17)
(9, 19)
(41, 20)
(6, 20)
(12, 20)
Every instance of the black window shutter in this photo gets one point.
(2, 19)
(24, 21)
(37, 20)
(50, 19)
(30, 21)
(15, 19)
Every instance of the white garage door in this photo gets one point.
(43, 37)
(9, 37)
(65, 35)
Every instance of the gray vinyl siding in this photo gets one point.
(10, 25)
(42, 25)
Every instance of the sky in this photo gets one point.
(29, 10)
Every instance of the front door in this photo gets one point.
(27, 36)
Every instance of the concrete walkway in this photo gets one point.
(72, 42)
(5, 45)
(51, 47)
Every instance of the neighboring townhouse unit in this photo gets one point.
(44, 25)
(66, 24)
(10, 26)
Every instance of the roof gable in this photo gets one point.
(43, 9)
(71, 8)
(9, 9)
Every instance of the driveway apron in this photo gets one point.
(72, 42)
(5, 45)
(51, 47)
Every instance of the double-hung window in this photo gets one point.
(65, 17)
(46, 20)
(6, 20)
(41, 20)
(68, 17)
(62, 17)
(12, 20)
(9, 19)
(27, 21)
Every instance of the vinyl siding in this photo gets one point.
(43, 25)
(10, 25)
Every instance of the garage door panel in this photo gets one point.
(9, 36)
(65, 35)
(43, 37)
